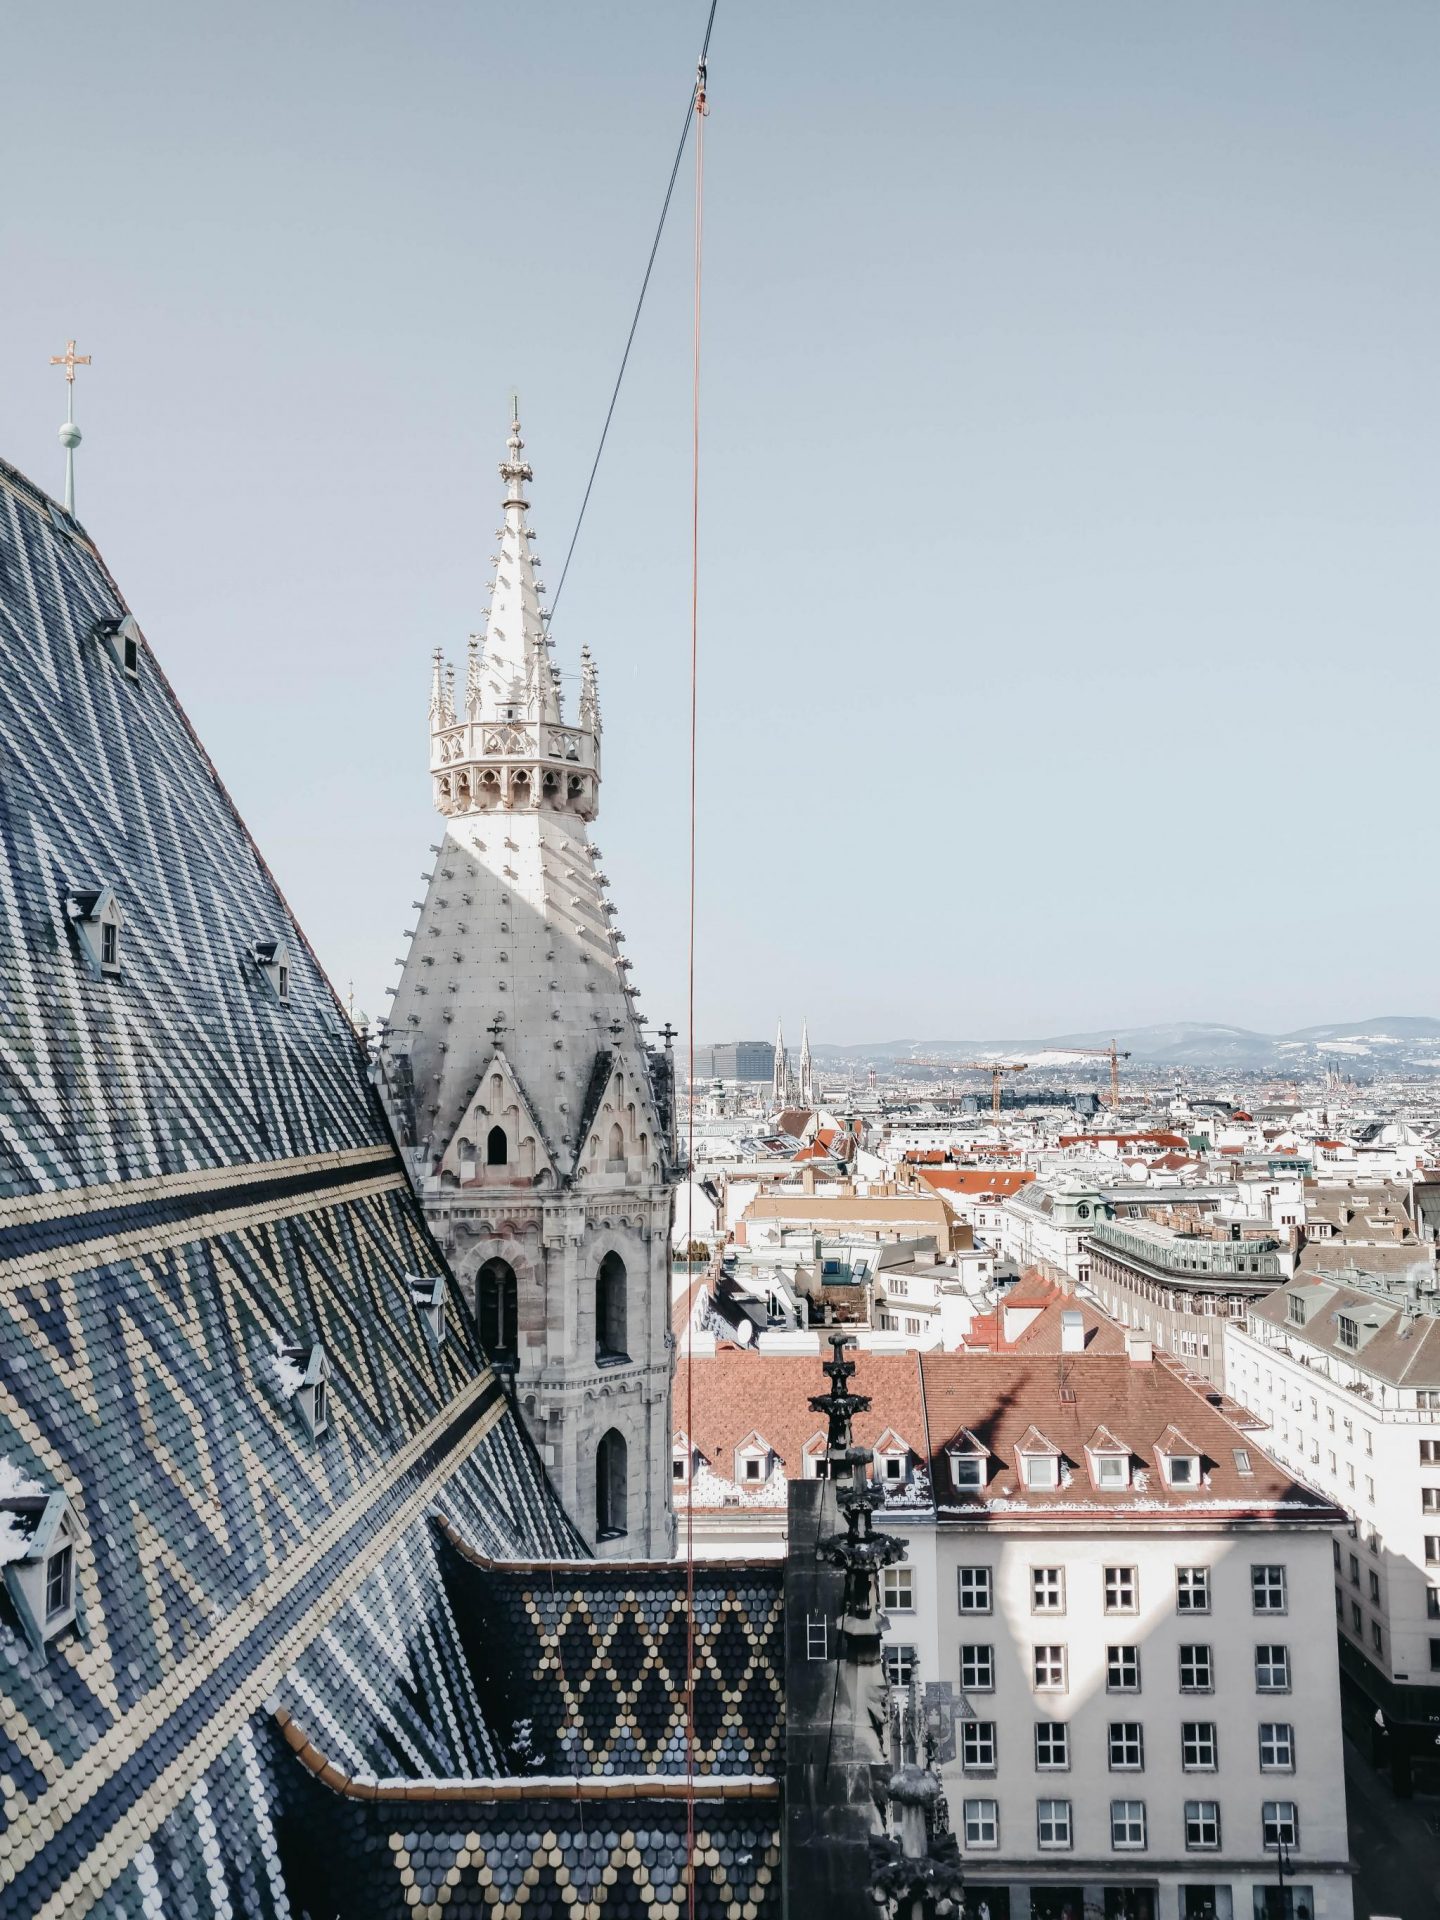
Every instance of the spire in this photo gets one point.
(70, 433)
(807, 1071)
(472, 678)
(780, 1078)
(437, 689)
(515, 672)
(589, 692)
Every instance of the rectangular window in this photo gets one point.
(817, 1637)
(1127, 1746)
(1267, 1589)
(1375, 1589)
(1197, 1670)
(59, 1582)
(1122, 1669)
(974, 1589)
(977, 1669)
(677, 1467)
(1277, 1746)
(1047, 1589)
(977, 1746)
(1122, 1590)
(1432, 1549)
(1202, 1825)
(1430, 1499)
(1048, 1669)
(1430, 1453)
(1127, 1823)
(899, 1662)
(1192, 1589)
(897, 1589)
(1354, 1570)
(1052, 1823)
(1041, 1471)
(1242, 1461)
(1279, 1826)
(1052, 1746)
(982, 1823)
(1377, 1639)
(1349, 1331)
(967, 1470)
(1272, 1669)
(1435, 1656)
(1198, 1746)
(109, 944)
(1357, 1618)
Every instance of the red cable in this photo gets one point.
(700, 112)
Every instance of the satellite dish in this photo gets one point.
(744, 1334)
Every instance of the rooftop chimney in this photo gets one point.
(1072, 1331)
(1138, 1349)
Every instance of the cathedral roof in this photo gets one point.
(203, 1227)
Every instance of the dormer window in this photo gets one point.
(428, 1298)
(753, 1459)
(305, 1377)
(121, 634)
(1109, 1461)
(95, 914)
(38, 1537)
(969, 1461)
(1039, 1462)
(892, 1459)
(272, 958)
(1179, 1460)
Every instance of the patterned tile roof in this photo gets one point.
(196, 1184)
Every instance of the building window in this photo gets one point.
(1126, 1746)
(1202, 1825)
(1432, 1549)
(612, 1333)
(1349, 1331)
(1052, 1823)
(1122, 1590)
(1198, 1746)
(1377, 1640)
(612, 1490)
(1279, 1826)
(897, 1589)
(1435, 1656)
(1192, 1589)
(1429, 1499)
(1375, 1590)
(1052, 1746)
(974, 1583)
(967, 1471)
(754, 1468)
(1041, 1471)
(1127, 1823)
(497, 1148)
(1122, 1669)
(109, 946)
(982, 1823)
(1354, 1570)
(1295, 1306)
(1242, 1461)
(1047, 1589)
(899, 1663)
(678, 1468)
(1272, 1669)
(977, 1669)
(59, 1582)
(1049, 1669)
(497, 1309)
(894, 1465)
(1197, 1670)
(1277, 1746)
(1267, 1589)
(1112, 1471)
(977, 1746)
(1357, 1619)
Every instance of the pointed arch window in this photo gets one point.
(497, 1310)
(497, 1148)
(612, 1333)
(612, 1488)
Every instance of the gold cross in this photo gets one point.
(70, 360)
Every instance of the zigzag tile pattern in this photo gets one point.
(193, 1176)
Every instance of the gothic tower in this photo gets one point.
(807, 1068)
(536, 1122)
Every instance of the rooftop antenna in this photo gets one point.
(70, 433)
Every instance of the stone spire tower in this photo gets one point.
(535, 1120)
(780, 1078)
(807, 1067)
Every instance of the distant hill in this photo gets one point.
(1387, 1043)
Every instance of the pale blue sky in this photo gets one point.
(1069, 586)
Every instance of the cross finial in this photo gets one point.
(70, 360)
(70, 433)
(668, 1034)
(496, 1028)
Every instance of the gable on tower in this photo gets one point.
(499, 1137)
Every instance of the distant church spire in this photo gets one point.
(780, 1083)
(70, 433)
(807, 1069)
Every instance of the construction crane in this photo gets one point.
(1113, 1054)
(995, 1069)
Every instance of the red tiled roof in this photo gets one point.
(1001, 1181)
(1121, 1139)
(732, 1393)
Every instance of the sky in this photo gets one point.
(1070, 415)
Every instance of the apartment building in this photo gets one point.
(1344, 1383)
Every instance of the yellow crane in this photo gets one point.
(1113, 1054)
(996, 1069)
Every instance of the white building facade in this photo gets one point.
(535, 1120)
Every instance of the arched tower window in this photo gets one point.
(611, 1321)
(617, 1142)
(497, 1148)
(497, 1310)
(612, 1491)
